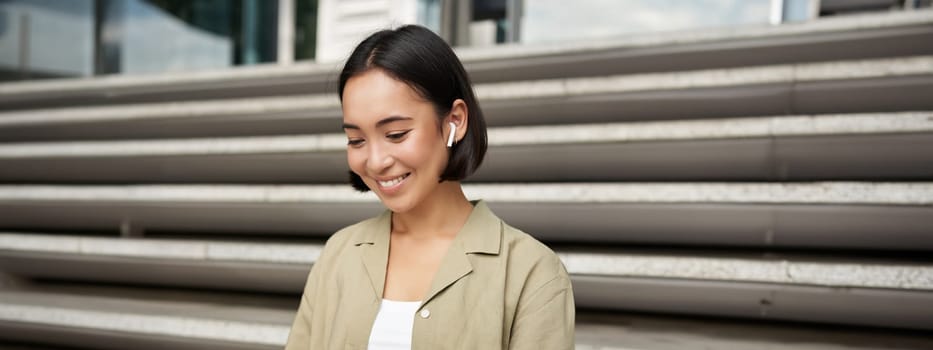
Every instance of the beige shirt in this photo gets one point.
(497, 287)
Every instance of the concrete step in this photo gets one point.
(857, 86)
(213, 264)
(855, 37)
(777, 288)
(630, 331)
(837, 215)
(121, 322)
(801, 287)
(131, 323)
(873, 146)
(79, 257)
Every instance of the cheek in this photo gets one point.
(424, 150)
(356, 160)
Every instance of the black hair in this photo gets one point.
(422, 60)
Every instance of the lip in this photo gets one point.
(394, 188)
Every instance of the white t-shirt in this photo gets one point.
(393, 325)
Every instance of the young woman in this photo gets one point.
(434, 271)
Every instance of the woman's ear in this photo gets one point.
(459, 115)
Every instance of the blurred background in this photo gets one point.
(715, 174)
(82, 38)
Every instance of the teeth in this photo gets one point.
(392, 182)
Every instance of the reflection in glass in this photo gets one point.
(429, 14)
(550, 20)
(489, 22)
(305, 29)
(169, 35)
(796, 10)
(46, 39)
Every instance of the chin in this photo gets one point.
(397, 205)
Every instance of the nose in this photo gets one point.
(379, 159)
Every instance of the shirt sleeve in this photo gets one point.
(545, 320)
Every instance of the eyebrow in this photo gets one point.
(380, 123)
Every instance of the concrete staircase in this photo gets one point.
(762, 187)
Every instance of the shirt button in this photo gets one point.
(425, 313)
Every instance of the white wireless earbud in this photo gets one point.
(450, 139)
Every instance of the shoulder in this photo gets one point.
(346, 237)
(517, 241)
(534, 260)
(516, 246)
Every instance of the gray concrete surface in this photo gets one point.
(836, 215)
(884, 193)
(877, 146)
(493, 94)
(281, 253)
(707, 129)
(799, 271)
(193, 322)
(176, 319)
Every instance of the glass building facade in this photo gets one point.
(163, 36)
(548, 20)
(81, 38)
(41, 39)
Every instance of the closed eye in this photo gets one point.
(398, 135)
(354, 142)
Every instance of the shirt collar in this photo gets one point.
(482, 232)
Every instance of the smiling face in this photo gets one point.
(393, 142)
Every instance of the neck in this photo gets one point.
(440, 215)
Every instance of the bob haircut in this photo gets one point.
(422, 60)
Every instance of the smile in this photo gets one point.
(393, 182)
